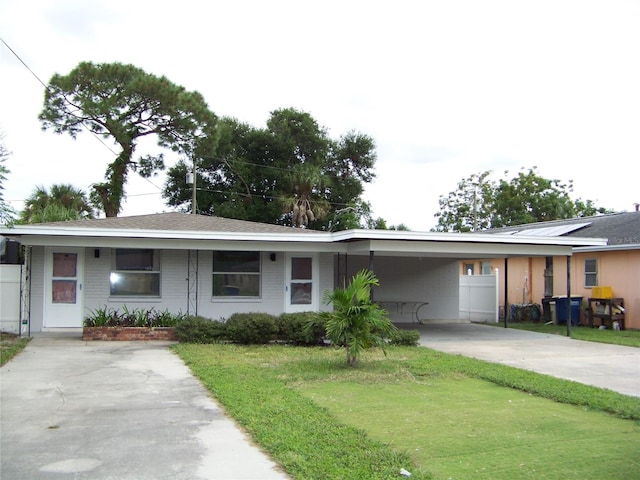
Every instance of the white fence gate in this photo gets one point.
(10, 298)
(479, 298)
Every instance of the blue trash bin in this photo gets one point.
(561, 310)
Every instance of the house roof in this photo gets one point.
(186, 231)
(618, 228)
(175, 221)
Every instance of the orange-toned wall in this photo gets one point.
(618, 269)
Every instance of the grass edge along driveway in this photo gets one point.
(262, 388)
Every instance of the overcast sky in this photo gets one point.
(446, 88)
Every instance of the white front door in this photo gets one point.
(301, 284)
(64, 268)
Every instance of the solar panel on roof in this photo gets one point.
(554, 231)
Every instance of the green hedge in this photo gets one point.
(196, 329)
(406, 338)
(251, 328)
(304, 328)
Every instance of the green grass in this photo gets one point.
(10, 346)
(629, 338)
(436, 415)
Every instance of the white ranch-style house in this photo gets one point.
(214, 267)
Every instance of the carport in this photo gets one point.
(420, 268)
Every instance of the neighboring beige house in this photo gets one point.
(615, 265)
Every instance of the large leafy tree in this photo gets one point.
(124, 104)
(290, 173)
(61, 202)
(479, 202)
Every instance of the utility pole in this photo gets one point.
(191, 180)
(194, 206)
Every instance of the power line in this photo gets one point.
(259, 196)
(245, 162)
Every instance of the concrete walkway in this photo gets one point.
(116, 410)
(602, 365)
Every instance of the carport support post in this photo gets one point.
(568, 295)
(506, 290)
(371, 255)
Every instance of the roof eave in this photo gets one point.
(348, 235)
(607, 248)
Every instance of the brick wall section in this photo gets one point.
(128, 333)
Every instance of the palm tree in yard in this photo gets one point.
(356, 322)
(61, 202)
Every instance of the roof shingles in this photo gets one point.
(175, 221)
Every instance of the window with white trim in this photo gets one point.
(590, 272)
(236, 274)
(135, 272)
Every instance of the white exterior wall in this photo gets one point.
(37, 289)
(10, 298)
(173, 283)
(326, 277)
(411, 279)
(272, 299)
(271, 289)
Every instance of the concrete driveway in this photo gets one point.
(116, 410)
(132, 410)
(602, 365)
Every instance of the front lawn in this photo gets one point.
(436, 415)
(629, 338)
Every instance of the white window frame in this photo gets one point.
(115, 274)
(589, 274)
(230, 295)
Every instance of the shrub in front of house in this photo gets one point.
(251, 328)
(138, 317)
(304, 328)
(196, 329)
(406, 338)
(102, 317)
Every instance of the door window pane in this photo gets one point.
(64, 264)
(301, 280)
(300, 269)
(301, 293)
(63, 291)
